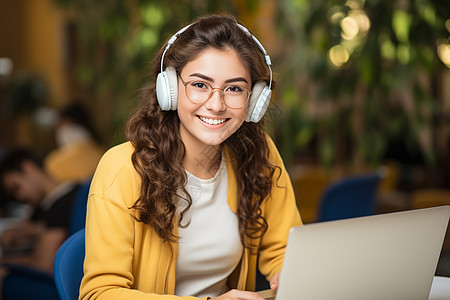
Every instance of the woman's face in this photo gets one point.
(211, 122)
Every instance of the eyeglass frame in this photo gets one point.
(212, 91)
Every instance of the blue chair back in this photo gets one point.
(68, 266)
(350, 197)
(78, 215)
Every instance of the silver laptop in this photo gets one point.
(388, 256)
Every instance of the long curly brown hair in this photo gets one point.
(159, 150)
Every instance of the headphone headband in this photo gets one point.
(171, 41)
(260, 46)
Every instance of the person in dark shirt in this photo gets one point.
(22, 175)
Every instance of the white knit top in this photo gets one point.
(210, 247)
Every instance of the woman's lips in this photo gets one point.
(211, 121)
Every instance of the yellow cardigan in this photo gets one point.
(126, 259)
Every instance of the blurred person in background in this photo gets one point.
(79, 145)
(43, 232)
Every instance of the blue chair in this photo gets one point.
(78, 216)
(68, 266)
(350, 197)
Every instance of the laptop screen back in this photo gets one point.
(389, 256)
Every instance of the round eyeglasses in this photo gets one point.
(198, 92)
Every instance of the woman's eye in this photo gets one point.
(199, 85)
(234, 89)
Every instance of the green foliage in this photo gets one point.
(380, 86)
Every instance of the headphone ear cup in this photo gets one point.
(167, 89)
(162, 91)
(258, 103)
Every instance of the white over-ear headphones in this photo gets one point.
(167, 84)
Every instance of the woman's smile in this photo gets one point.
(212, 121)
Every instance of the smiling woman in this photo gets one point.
(197, 148)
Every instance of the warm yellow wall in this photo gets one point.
(32, 34)
(44, 41)
(11, 31)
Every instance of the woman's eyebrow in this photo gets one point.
(237, 79)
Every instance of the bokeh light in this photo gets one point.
(355, 23)
(443, 51)
(6, 66)
(338, 55)
(349, 28)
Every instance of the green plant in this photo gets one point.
(364, 74)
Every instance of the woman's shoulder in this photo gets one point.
(119, 152)
(273, 154)
(116, 158)
(115, 176)
(270, 142)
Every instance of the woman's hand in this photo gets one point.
(274, 281)
(237, 294)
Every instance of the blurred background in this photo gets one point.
(362, 85)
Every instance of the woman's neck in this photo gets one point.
(203, 163)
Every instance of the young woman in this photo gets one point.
(185, 208)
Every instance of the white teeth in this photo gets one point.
(212, 121)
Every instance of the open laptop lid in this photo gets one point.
(388, 256)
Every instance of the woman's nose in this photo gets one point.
(216, 102)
